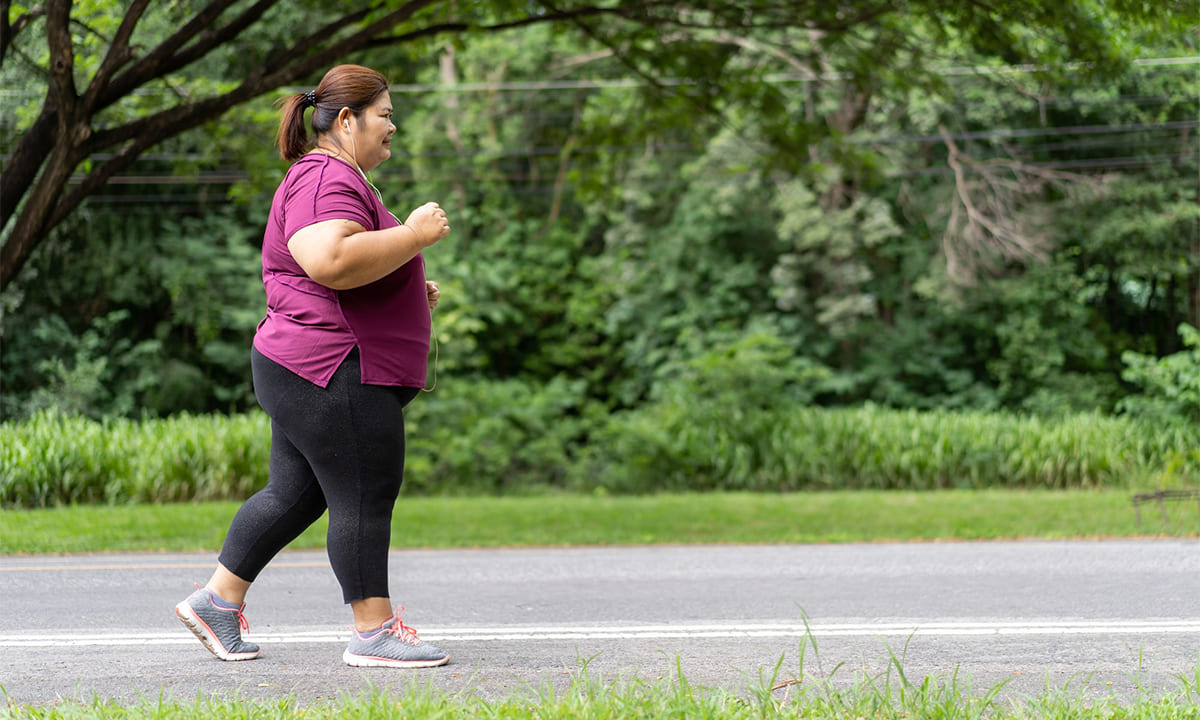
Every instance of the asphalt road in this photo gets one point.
(1099, 616)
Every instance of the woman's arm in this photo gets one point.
(342, 254)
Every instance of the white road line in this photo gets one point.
(652, 632)
(146, 566)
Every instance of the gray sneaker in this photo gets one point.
(219, 628)
(394, 645)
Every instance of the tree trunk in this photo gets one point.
(449, 77)
(23, 165)
(31, 224)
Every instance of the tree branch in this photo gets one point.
(55, 164)
(40, 70)
(766, 49)
(255, 85)
(314, 39)
(89, 30)
(62, 59)
(23, 164)
(841, 21)
(155, 64)
(349, 44)
(578, 21)
(120, 160)
(9, 31)
(987, 229)
(6, 29)
(119, 53)
(210, 39)
(458, 27)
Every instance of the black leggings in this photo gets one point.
(339, 447)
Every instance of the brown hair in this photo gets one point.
(345, 86)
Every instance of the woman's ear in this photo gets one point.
(344, 117)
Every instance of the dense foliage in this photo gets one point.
(893, 215)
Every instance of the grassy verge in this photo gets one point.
(888, 696)
(500, 440)
(549, 520)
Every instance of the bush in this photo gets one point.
(476, 436)
(1170, 385)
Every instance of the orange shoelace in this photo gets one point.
(242, 622)
(402, 631)
(245, 626)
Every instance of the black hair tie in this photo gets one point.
(310, 99)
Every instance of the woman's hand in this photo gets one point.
(429, 223)
(431, 290)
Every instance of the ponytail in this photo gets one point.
(293, 138)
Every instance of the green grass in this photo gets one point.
(512, 444)
(889, 695)
(566, 519)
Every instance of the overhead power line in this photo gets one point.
(1037, 132)
(218, 177)
(516, 184)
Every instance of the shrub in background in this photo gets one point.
(475, 436)
(1170, 385)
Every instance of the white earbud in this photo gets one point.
(346, 122)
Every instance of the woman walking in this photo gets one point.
(342, 350)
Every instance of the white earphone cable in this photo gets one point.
(433, 335)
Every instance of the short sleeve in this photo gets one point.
(326, 191)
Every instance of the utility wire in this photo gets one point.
(553, 150)
(512, 184)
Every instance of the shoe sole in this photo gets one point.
(372, 661)
(202, 631)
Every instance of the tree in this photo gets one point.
(95, 58)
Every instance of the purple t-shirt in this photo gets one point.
(310, 328)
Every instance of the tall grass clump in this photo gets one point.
(54, 459)
(507, 438)
(699, 445)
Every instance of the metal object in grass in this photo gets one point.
(1161, 497)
